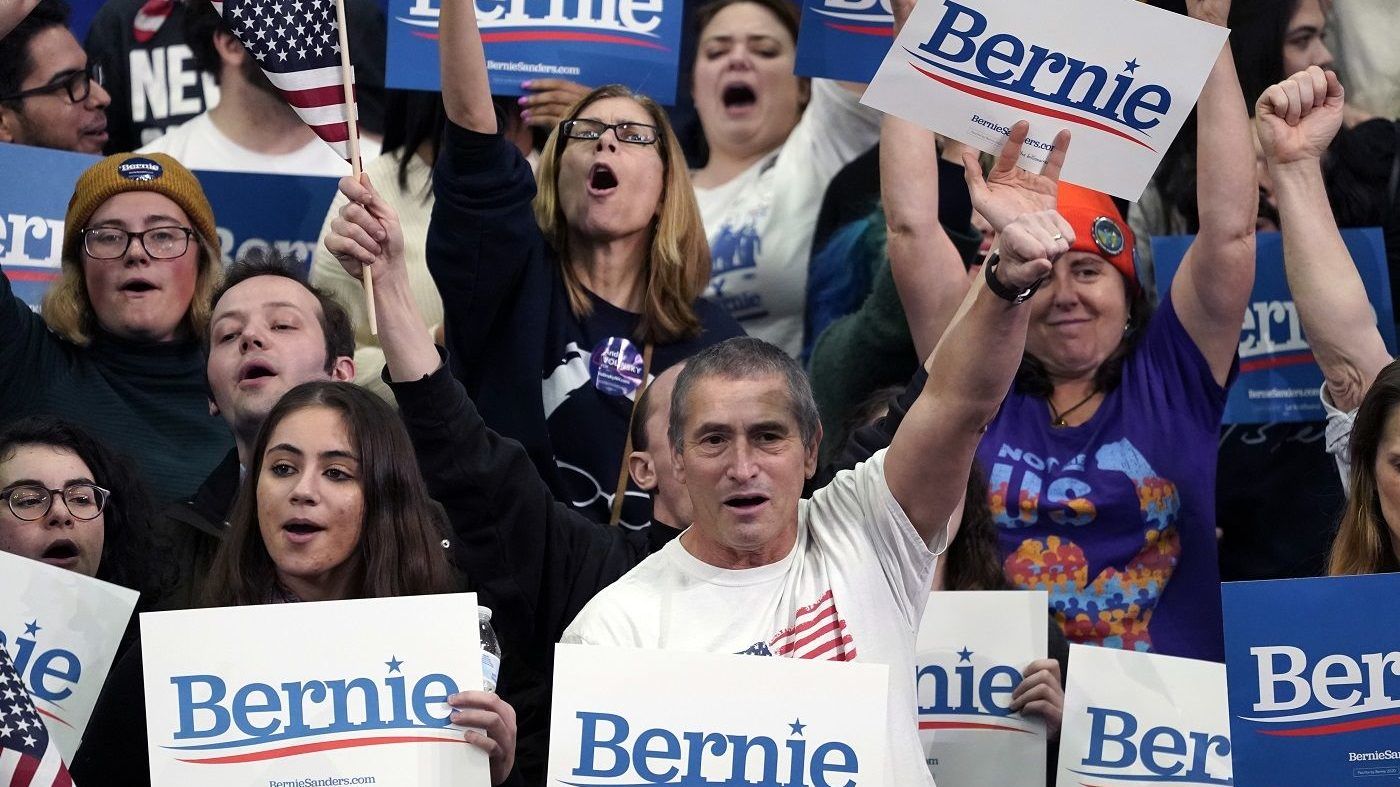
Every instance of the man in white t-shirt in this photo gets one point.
(845, 575)
(252, 128)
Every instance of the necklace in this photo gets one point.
(1057, 419)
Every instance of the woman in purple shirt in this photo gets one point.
(1101, 461)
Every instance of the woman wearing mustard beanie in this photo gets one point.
(118, 348)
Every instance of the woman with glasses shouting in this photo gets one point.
(563, 300)
(69, 501)
(118, 347)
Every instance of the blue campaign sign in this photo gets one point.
(1279, 380)
(632, 42)
(844, 39)
(1314, 680)
(280, 212)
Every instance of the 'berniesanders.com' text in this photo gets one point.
(533, 68)
(326, 782)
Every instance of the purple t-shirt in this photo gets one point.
(1115, 518)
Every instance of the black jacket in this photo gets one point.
(535, 562)
(193, 530)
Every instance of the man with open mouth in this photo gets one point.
(50, 96)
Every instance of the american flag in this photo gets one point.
(297, 45)
(27, 757)
(818, 632)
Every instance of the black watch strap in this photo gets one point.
(989, 271)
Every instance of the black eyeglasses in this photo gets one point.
(634, 133)
(31, 501)
(78, 84)
(161, 243)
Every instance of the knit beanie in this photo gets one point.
(125, 172)
(1099, 229)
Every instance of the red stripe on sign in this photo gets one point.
(865, 30)
(311, 748)
(967, 725)
(43, 712)
(1276, 362)
(1335, 729)
(568, 35)
(17, 275)
(1029, 107)
(562, 35)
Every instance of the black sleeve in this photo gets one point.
(532, 560)
(481, 238)
(27, 350)
(869, 439)
(113, 752)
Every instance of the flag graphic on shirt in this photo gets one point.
(818, 632)
(297, 46)
(27, 757)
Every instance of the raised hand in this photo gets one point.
(1008, 190)
(1297, 118)
(901, 9)
(1217, 12)
(1029, 246)
(548, 101)
(490, 723)
(366, 232)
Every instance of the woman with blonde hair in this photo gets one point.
(561, 305)
(118, 347)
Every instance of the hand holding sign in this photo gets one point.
(1041, 693)
(490, 723)
(547, 101)
(1297, 118)
(1216, 12)
(1008, 190)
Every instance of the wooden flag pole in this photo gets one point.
(353, 143)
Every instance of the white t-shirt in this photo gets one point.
(760, 224)
(1338, 433)
(199, 144)
(857, 561)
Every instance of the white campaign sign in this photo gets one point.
(625, 716)
(62, 630)
(967, 670)
(338, 692)
(970, 69)
(1143, 720)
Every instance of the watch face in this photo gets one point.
(1107, 236)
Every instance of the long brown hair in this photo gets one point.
(1363, 544)
(678, 268)
(400, 553)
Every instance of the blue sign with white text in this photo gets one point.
(252, 210)
(1314, 680)
(844, 39)
(1279, 380)
(632, 42)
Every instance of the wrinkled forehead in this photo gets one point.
(266, 294)
(739, 402)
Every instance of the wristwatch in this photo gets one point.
(989, 270)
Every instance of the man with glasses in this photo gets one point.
(50, 97)
(117, 349)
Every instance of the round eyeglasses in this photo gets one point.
(161, 243)
(31, 501)
(634, 133)
(78, 85)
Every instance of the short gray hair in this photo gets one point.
(745, 358)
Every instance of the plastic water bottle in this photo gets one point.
(490, 650)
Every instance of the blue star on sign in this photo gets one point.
(965, 655)
(797, 727)
(32, 627)
(1130, 66)
(393, 663)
